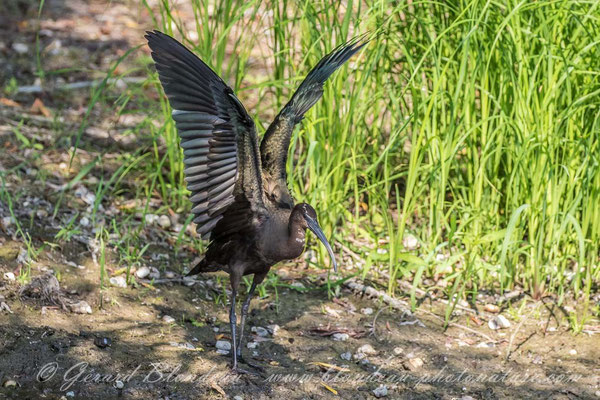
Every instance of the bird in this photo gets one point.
(239, 193)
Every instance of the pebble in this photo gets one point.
(164, 222)
(9, 276)
(573, 352)
(346, 356)
(10, 383)
(238, 398)
(367, 311)
(84, 221)
(119, 384)
(360, 356)
(273, 329)
(142, 272)
(415, 363)
(381, 391)
(260, 331)
(298, 285)
(20, 48)
(491, 308)
(252, 345)
(7, 221)
(467, 398)
(41, 213)
(168, 319)
(340, 337)
(154, 273)
(537, 360)
(118, 281)
(398, 350)
(150, 218)
(597, 393)
(102, 342)
(499, 322)
(81, 307)
(410, 242)
(223, 345)
(366, 349)
(70, 394)
(169, 274)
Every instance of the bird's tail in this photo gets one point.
(311, 89)
(201, 265)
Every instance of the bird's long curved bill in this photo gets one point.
(313, 225)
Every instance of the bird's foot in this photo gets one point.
(252, 365)
(239, 371)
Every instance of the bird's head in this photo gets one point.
(304, 216)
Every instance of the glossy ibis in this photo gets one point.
(240, 196)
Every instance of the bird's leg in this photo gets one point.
(235, 282)
(245, 307)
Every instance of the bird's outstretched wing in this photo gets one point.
(275, 143)
(219, 140)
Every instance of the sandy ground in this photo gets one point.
(129, 348)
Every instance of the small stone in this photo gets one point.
(238, 398)
(20, 48)
(499, 322)
(346, 356)
(381, 391)
(298, 285)
(260, 331)
(168, 319)
(142, 272)
(340, 337)
(150, 218)
(118, 281)
(537, 360)
(398, 350)
(573, 352)
(415, 363)
(119, 384)
(70, 394)
(154, 273)
(216, 329)
(102, 342)
(223, 345)
(360, 356)
(41, 213)
(169, 274)
(164, 222)
(252, 345)
(597, 393)
(367, 349)
(10, 383)
(273, 329)
(492, 308)
(9, 276)
(6, 222)
(81, 307)
(84, 221)
(367, 311)
(410, 242)
(467, 398)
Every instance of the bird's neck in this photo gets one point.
(296, 239)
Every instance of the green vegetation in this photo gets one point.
(473, 126)
(470, 128)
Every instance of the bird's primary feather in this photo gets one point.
(275, 143)
(222, 167)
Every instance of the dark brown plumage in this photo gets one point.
(240, 197)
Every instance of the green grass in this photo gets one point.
(471, 125)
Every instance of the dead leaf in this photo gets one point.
(38, 107)
(328, 367)
(8, 102)
(332, 390)
(218, 388)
